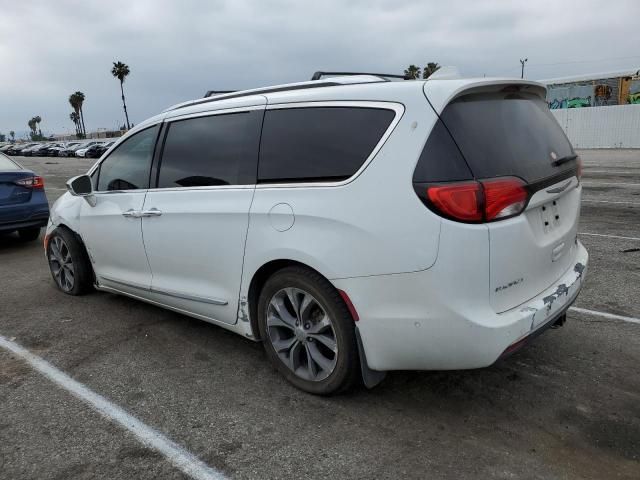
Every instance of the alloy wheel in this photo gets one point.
(61, 264)
(302, 334)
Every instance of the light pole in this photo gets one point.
(522, 62)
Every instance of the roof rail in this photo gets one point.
(212, 93)
(384, 76)
(246, 93)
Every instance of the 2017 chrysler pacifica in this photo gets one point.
(354, 225)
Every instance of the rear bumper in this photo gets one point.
(28, 215)
(12, 227)
(413, 321)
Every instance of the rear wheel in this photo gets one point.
(307, 331)
(69, 263)
(29, 234)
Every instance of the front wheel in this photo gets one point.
(69, 263)
(307, 331)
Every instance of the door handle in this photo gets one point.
(131, 213)
(154, 212)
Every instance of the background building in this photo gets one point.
(594, 90)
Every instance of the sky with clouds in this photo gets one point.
(177, 50)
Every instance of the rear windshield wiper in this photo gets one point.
(564, 159)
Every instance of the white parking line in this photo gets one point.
(587, 171)
(608, 236)
(609, 201)
(611, 183)
(174, 453)
(612, 316)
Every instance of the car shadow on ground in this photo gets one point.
(10, 242)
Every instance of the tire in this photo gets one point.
(318, 354)
(29, 234)
(69, 263)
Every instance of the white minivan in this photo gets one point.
(353, 224)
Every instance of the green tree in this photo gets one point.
(120, 71)
(412, 71)
(429, 69)
(12, 134)
(3, 137)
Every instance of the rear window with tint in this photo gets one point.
(503, 134)
(7, 164)
(319, 143)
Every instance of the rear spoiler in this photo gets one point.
(441, 93)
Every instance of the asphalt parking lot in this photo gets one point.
(565, 407)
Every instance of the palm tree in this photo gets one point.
(75, 118)
(80, 98)
(12, 134)
(429, 69)
(37, 120)
(412, 72)
(76, 100)
(120, 71)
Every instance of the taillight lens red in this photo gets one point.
(31, 182)
(461, 201)
(479, 201)
(503, 198)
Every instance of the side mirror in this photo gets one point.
(81, 186)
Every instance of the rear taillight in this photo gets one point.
(503, 197)
(478, 201)
(31, 182)
(461, 201)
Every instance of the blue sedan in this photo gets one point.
(23, 204)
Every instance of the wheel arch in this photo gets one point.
(77, 236)
(258, 280)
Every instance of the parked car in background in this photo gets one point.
(23, 203)
(36, 150)
(96, 151)
(71, 152)
(83, 151)
(4, 148)
(43, 151)
(26, 152)
(54, 151)
(18, 148)
(366, 226)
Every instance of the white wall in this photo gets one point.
(601, 127)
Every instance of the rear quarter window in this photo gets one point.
(319, 143)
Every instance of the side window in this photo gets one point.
(127, 168)
(319, 143)
(215, 150)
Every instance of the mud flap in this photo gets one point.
(370, 378)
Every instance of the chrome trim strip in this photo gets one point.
(193, 298)
(169, 293)
(561, 188)
(210, 113)
(126, 284)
